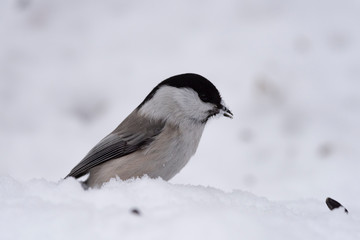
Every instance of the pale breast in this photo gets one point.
(164, 157)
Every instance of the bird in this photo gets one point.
(159, 137)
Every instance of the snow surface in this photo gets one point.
(48, 210)
(70, 71)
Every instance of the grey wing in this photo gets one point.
(129, 137)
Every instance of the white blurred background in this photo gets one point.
(71, 71)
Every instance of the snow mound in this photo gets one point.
(40, 209)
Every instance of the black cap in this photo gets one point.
(205, 89)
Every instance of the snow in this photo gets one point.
(70, 71)
(48, 210)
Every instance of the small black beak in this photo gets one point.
(226, 112)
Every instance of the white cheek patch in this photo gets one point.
(176, 104)
(190, 103)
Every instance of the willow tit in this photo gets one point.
(159, 137)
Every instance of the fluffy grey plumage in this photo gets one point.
(159, 137)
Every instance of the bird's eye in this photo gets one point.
(203, 97)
